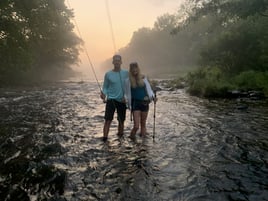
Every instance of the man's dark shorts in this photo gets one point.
(113, 105)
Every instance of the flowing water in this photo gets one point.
(51, 148)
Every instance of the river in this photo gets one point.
(203, 150)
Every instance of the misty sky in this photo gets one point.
(126, 16)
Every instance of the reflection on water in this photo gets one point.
(51, 148)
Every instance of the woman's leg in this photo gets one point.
(143, 123)
(136, 125)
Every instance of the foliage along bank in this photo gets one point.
(235, 56)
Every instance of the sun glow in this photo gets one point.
(92, 19)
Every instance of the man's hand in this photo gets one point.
(102, 96)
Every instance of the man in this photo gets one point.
(113, 94)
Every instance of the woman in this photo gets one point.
(139, 94)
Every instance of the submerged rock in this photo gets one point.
(255, 95)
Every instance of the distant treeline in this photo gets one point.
(217, 45)
(235, 53)
(37, 41)
(223, 44)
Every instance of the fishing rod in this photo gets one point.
(85, 49)
(110, 23)
(113, 37)
(154, 112)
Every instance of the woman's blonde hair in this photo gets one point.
(135, 81)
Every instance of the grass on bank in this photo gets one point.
(213, 83)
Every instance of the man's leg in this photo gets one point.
(120, 128)
(121, 116)
(106, 129)
(109, 113)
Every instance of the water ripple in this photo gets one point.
(51, 148)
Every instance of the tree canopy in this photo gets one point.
(214, 41)
(36, 38)
(231, 35)
(236, 47)
(238, 37)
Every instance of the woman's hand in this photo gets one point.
(124, 100)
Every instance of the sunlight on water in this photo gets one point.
(51, 147)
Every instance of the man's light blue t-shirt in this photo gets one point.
(113, 85)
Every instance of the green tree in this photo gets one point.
(14, 45)
(238, 38)
(228, 9)
(166, 22)
(237, 44)
(36, 37)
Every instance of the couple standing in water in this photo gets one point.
(124, 89)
